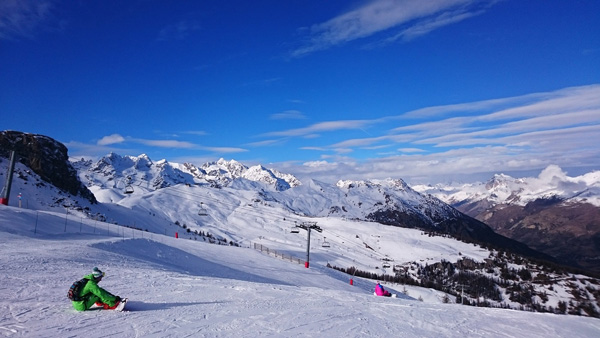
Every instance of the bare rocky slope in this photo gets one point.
(47, 158)
(552, 213)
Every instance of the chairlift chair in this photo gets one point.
(202, 211)
(325, 243)
(294, 230)
(129, 189)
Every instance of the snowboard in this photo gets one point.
(393, 295)
(121, 305)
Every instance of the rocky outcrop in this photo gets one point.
(46, 157)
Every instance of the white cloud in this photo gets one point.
(582, 96)
(323, 127)
(524, 133)
(165, 143)
(314, 148)
(316, 164)
(381, 15)
(110, 139)
(427, 26)
(264, 143)
(540, 124)
(557, 102)
(360, 142)
(411, 150)
(288, 115)
(196, 132)
(173, 144)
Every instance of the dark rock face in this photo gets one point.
(568, 231)
(46, 157)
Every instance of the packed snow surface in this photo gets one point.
(187, 288)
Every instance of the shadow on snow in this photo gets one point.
(180, 261)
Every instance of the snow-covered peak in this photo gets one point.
(552, 182)
(394, 183)
(225, 172)
(350, 184)
(261, 174)
(233, 167)
(143, 162)
(116, 171)
(397, 184)
(126, 173)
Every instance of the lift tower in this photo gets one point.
(6, 189)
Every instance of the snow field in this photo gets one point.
(180, 287)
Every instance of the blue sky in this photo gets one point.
(427, 91)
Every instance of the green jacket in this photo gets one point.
(92, 293)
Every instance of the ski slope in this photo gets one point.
(187, 288)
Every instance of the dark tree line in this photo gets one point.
(479, 283)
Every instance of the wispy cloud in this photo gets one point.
(228, 150)
(110, 139)
(463, 164)
(414, 17)
(22, 18)
(327, 126)
(177, 31)
(481, 123)
(264, 143)
(288, 115)
(116, 139)
(525, 132)
(166, 143)
(583, 95)
(559, 110)
(195, 132)
(411, 150)
(428, 25)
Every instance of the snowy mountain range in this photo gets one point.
(114, 171)
(389, 201)
(551, 183)
(553, 212)
(229, 203)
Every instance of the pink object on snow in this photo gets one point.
(379, 291)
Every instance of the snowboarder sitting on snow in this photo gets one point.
(380, 291)
(92, 294)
